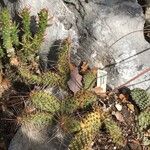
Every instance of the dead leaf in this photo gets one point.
(84, 67)
(123, 97)
(75, 83)
(98, 91)
(118, 116)
(131, 107)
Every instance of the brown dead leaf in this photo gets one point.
(118, 116)
(84, 67)
(75, 83)
(123, 97)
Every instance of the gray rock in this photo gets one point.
(115, 34)
(37, 138)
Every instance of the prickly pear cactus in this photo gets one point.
(89, 80)
(89, 127)
(141, 97)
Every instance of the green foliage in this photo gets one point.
(63, 58)
(46, 79)
(69, 124)
(89, 80)
(25, 15)
(144, 120)
(89, 127)
(141, 97)
(81, 100)
(38, 37)
(1, 52)
(6, 30)
(114, 131)
(31, 44)
(44, 101)
(14, 34)
(39, 119)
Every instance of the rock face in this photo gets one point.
(102, 31)
(109, 31)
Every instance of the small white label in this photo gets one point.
(102, 79)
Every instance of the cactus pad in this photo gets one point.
(141, 98)
(89, 127)
(45, 101)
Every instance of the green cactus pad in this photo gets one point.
(141, 98)
(114, 131)
(14, 34)
(69, 124)
(63, 58)
(38, 119)
(42, 25)
(81, 100)
(46, 79)
(89, 80)
(45, 101)
(89, 128)
(144, 119)
(6, 24)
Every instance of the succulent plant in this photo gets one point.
(6, 31)
(114, 131)
(141, 98)
(89, 127)
(144, 119)
(89, 80)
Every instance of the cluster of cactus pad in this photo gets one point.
(19, 43)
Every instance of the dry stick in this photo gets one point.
(137, 76)
(145, 31)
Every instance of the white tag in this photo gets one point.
(102, 79)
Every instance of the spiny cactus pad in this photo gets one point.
(63, 58)
(6, 30)
(39, 119)
(44, 101)
(31, 44)
(69, 124)
(144, 119)
(89, 127)
(114, 131)
(89, 80)
(80, 100)
(46, 79)
(141, 97)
